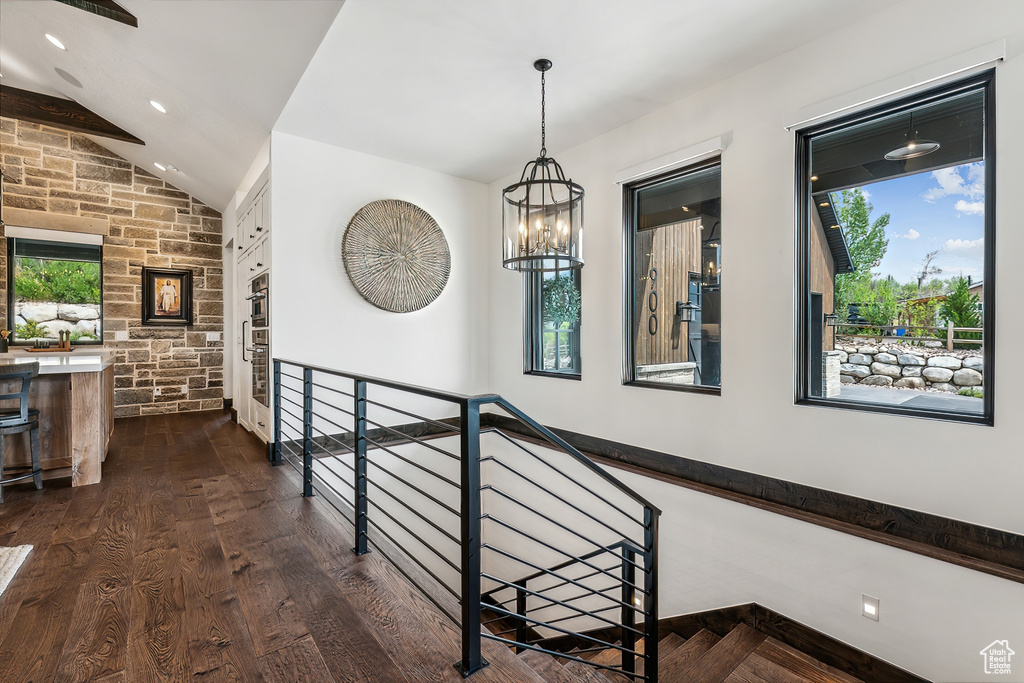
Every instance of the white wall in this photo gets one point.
(935, 616)
(966, 472)
(319, 317)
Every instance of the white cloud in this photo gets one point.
(966, 180)
(970, 207)
(970, 249)
(911, 235)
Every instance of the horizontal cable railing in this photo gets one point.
(536, 546)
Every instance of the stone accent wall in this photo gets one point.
(151, 224)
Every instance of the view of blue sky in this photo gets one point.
(941, 210)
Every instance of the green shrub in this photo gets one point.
(30, 330)
(65, 282)
(971, 391)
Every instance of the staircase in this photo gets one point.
(742, 656)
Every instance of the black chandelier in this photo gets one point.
(542, 214)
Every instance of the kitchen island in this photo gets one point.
(74, 394)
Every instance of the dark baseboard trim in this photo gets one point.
(976, 547)
(802, 638)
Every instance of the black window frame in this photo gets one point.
(986, 81)
(630, 219)
(11, 311)
(533, 328)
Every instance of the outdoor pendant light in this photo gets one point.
(914, 147)
(542, 214)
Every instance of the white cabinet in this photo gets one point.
(252, 259)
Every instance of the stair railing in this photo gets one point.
(539, 521)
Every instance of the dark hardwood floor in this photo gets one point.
(194, 559)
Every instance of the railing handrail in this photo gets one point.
(450, 396)
(556, 440)
(483, 399)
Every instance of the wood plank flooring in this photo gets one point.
(194, 560)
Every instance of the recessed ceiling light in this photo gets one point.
(56, 42)
(814, 178)
(833, 226)
(823, 204)
(159, 107)
(160, 166)
(172, 169)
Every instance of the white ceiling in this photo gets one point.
(445, 84)
(449, 84)
(223, 69)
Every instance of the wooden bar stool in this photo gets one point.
(18, 421)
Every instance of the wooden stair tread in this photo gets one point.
(689, 651)
(810, 669)
(586, 674)
(757, 669)
(548, 667)
(715, 665)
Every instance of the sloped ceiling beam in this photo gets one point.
(105, 8)
(54, 111)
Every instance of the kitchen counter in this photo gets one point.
(74, 394)
(54, 362)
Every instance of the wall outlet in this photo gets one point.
(157, 391)
(213, 336)
(121, 335)
(869, 606)
(184, 388)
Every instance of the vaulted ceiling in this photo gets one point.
(222, 69)
(445, 84)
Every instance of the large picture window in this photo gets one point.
(55, 287)
(553, 312)
(896, 256)
(673, 276)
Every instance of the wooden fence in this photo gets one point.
(945, 334)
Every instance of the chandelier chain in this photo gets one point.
(543, 127)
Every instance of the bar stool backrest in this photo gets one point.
(23, 372)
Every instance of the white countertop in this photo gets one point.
(82, 359)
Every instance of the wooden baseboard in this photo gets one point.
(803, 638)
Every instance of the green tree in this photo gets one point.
(561, 300)
(961, 309)
(867, 244)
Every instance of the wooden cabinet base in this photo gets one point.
(75, 422)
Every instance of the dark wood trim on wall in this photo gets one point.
(976, 547)
(798, 636)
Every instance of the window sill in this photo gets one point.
(557, 375)
(687, 388)
(976, 419)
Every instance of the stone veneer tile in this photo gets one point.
(151, 224)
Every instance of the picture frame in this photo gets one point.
(166, 296)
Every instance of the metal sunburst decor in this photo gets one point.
(396, 255)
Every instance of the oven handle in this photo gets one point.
(261, 294)
(244, 359)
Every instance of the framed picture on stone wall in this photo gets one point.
(166, 296)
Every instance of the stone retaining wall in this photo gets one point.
(55, 318)
(898, 367)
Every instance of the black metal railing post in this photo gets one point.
(307, 432)
(469, 436)
(275, 448)
(651, 593)
(359, 433)
(521, 632)
(628, 612)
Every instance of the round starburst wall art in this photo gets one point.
(396, 255)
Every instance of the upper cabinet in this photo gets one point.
(254, 223)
